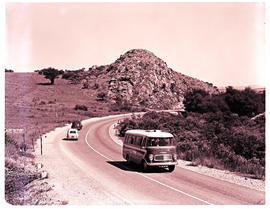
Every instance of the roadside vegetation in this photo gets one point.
(219, 131)
(33, 107)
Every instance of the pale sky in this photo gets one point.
(221, 43)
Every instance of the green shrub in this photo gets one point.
(81, 107)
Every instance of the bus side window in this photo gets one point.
(143, 142)
(126, 139)
(131, 139)
(139, 140)
(136, 140)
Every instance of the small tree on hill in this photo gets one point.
(50, 73)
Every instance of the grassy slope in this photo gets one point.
(37, 108)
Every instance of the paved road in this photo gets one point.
(98, 161)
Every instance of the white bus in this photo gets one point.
(150, 148)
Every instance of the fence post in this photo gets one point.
(23, 139)
(33, 143)
(41, 145)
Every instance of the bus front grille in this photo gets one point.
(164, 157)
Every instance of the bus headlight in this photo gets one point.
(151, 157)
(174, 157)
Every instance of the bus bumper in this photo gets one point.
(161, 163)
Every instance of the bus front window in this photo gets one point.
(160, 142)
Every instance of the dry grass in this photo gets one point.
(39, 108)
(34, 108)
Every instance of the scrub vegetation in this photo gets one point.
(218, 131)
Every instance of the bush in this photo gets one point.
(68, 75)
(42, 103)
(193, 100)
(101, 96)
(245, 102)
(81, 107)
(75, 76)
(9, 71)
(221, 140)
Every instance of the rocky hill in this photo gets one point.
(142, 79)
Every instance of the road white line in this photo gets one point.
(122, 198)
(118, 196)
(177, 190)
(94, 148)
(147, 177)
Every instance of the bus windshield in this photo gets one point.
(160, 142)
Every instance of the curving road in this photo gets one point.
(101, 175)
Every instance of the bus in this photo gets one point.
(150, 148)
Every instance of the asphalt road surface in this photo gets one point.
(97, 160)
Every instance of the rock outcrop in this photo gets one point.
(143, 79)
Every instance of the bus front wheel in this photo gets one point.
(171, 168)
(144, 166)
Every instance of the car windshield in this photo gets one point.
(160, 142)
(72, 132)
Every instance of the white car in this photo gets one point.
(72, 134)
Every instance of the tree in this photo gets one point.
(244, 102)
(193, 100)
(9, 71)
(50, 73)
